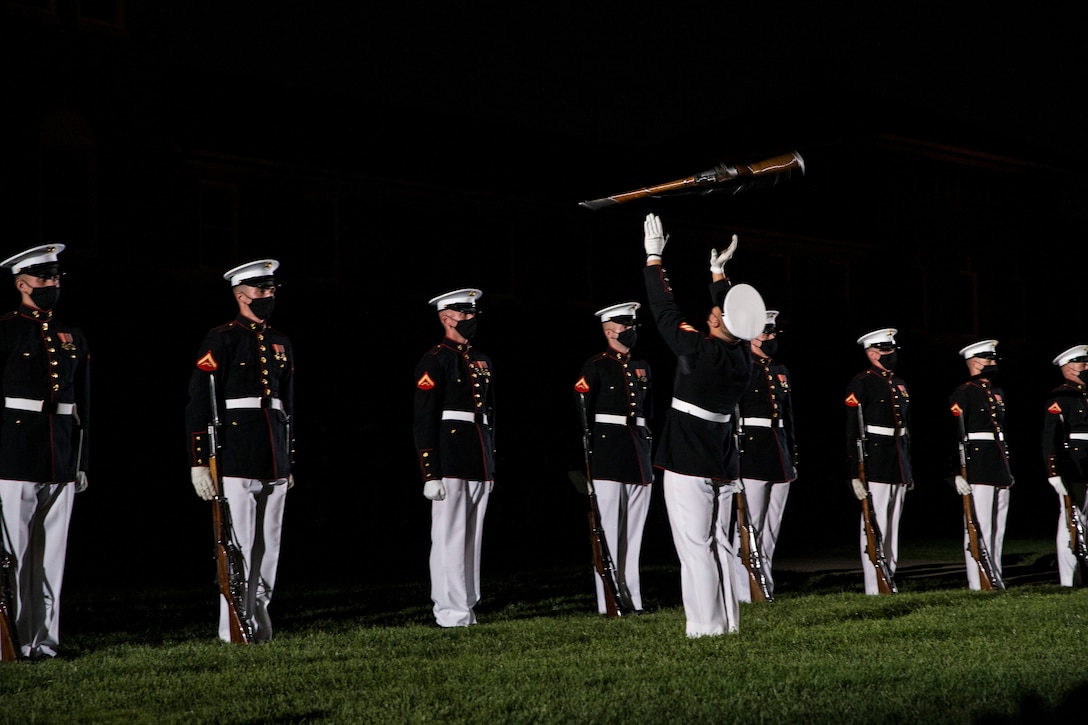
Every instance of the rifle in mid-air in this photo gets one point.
(750, 554)
(231, 563)
(735, 177)
(988, 576)
(874, 541)
(615, 604)
(10, 650)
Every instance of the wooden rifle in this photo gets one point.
(750, 553)
(738, 177)
(10, 649)
(614, 603)
(1077, 541)
(231, 563)
(874, 541)
(988, 576)
(1074, 523)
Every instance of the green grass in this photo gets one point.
(822, 652)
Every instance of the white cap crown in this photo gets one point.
(982, 348)
(1077, 353)
(27, 259)
(624, 309)
(883, 336)
(463, 300)
(255, 273)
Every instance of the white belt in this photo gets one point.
(1079, 436)
(990, 436)
(698, 412)
(616, 419)
(881, 430)
(36, 406)
(760, 422)
(254, 403)
(466, 415)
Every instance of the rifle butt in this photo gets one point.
(596, 540)
(10, 651)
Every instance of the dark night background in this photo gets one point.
(385, 155)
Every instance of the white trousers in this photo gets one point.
(624, 509)
(991, 511)
(457, 527)
(699, 513)
(888, 500)
(766, 504)
(36, 518)
(256, 508)
(1067, 560)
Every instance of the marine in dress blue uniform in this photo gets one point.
(44, 443)
(453, 428)
(614, 389)
(769, 457)
(884, 400)
(1065, 451)
(253, 365)
(980, 404)
(696, 452)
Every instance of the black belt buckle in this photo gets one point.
(50, 408)
(266, 403)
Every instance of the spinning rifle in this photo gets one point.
(614, 603)
(988, 576)
(750, 553)
(736, 178)
(228, 555)
(874, 541)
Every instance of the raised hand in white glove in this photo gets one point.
(962, 486)
(859, 488)
(434, 490)
(718, 259)
(202, 482)
(655, 237)
(81, 481)
(1059, 485)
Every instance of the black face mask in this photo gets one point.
(889, 361)
(45, 298)
(627, 338)
(466, 328)
(990, 372)
(1083, 375)
(262, 307)
(768, 347)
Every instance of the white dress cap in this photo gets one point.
(624, 309)
(743, 312)
(1077, 353)
(878, 337)
(29, 258)
(981, 347)
(252, 273)
(463, 300)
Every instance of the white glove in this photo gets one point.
(290, 481)
(718, 259)
(655, 238)
(81, 481)
(434, 490)
(962, 486)
(1059, 485)
(202, 482)
(859, 489)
